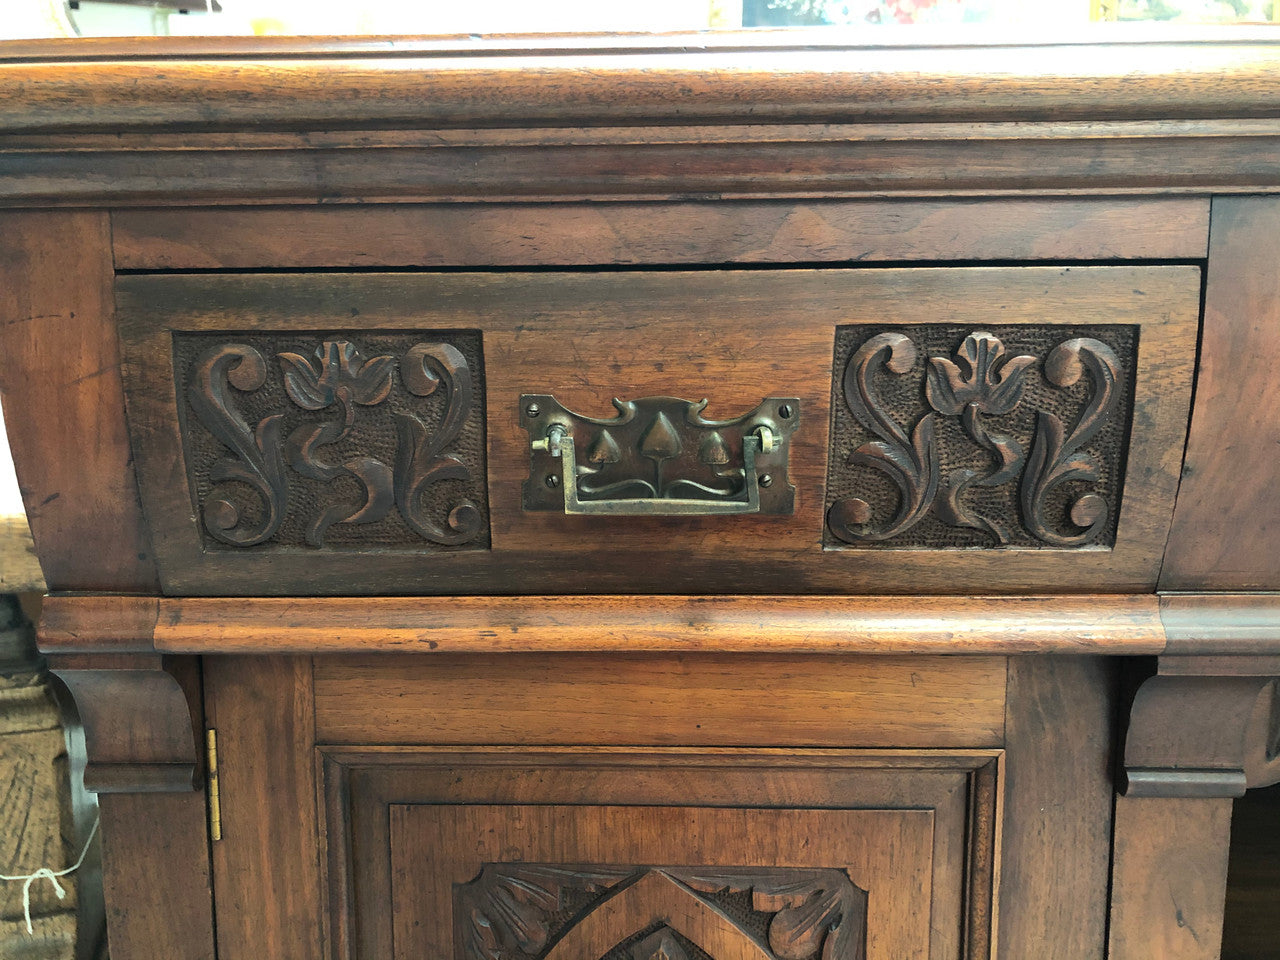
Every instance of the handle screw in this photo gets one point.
(552, 481)
(532, 410)
(766, 480)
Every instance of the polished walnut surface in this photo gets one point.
(285, 321)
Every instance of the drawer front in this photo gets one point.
(939, 430)
(623, 854)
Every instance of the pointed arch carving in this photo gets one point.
(521, 911)
(656, 897)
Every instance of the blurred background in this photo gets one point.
(117, 18)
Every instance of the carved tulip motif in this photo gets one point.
(337, 375)
(983, 381)
(992, 382)
(993, 385)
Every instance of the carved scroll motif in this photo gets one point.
(816, 913)
(256, 459)
(936, 468)
(547, 912)
(911, 463)
(386, 470)
(1056, 456)
(509, 909)
(420, 462)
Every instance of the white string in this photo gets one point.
(44, 873)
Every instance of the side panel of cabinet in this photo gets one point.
(64, 403)
(1227, 516)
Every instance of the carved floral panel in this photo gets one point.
(310, 441)
(1004, 436)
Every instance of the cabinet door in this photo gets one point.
(598, 854)
(357, 791)
(483, 881)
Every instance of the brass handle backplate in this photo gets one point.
(658, 458)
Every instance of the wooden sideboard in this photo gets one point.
(660, 498)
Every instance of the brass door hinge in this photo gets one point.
(211, 776)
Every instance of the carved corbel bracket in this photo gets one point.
(1205, 727)
(141, 732)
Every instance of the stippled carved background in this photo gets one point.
(945, 436)
(335, 441)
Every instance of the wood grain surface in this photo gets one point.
(953, 160)
(1170, 878)
(693, 79)
(1058, 794)
(155, 875)
(813, 708)
(588, 337)
(662, 700)
(977, 625)
(1238, 629)
(742, 115)
(266, 866)
(1235, 624)
(98, 624)
(75, 469)
(1203, 727)
(141, 737)
(364, 785)
(1227, 520)
(888, 853)
(515, 235)
(139, 716)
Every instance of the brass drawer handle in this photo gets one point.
(659, 458)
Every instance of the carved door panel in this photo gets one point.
(675, 883)
(624, 854)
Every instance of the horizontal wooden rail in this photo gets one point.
(1128, 625)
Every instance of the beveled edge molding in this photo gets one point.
(967, 161)
(779, 76)
(616, 118)
(1221, 623)
(1205, 727)
(140, 730)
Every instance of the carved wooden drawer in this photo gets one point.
(676, 855)
(930, 429)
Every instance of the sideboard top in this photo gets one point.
(194, 121)
(739, 78)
